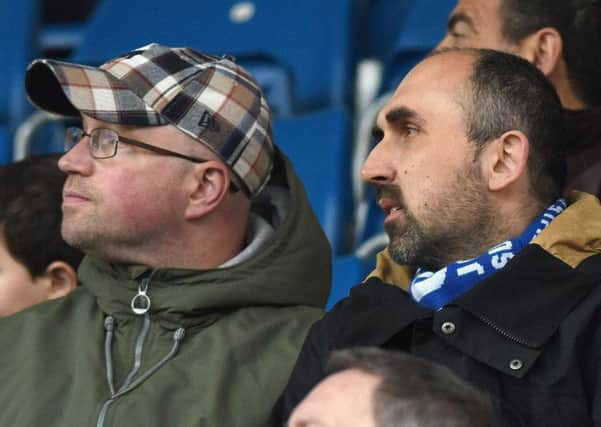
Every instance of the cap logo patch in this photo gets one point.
(208, 122)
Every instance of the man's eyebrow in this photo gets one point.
(461, 17)
(400, 115)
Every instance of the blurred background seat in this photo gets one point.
(18, 34)
(300, 52)
(318, 145)
(401, 32)
(347, 271)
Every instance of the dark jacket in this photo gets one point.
(215, 349)
(530, 335)
(583, 156)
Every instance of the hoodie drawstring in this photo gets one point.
(109, 326)
(178, 336)
(140, 305)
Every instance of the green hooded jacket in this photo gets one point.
(215, 348)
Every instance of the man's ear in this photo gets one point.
(209, 185)
(544, 49)
(59, 279)
(505, 160)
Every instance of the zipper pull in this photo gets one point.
(140, 303)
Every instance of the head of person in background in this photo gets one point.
(370, 387)
(35, 262)
(559, 36)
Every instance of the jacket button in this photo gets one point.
(448, 328)
(516, 365)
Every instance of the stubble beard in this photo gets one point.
(459, 225)
(91, 237)
(81, 232)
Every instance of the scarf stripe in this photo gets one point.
(436, 289)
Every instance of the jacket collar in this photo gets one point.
(541, 284)
(530, 297)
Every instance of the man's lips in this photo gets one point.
(389, 199)
(73, 197)
(389, 206)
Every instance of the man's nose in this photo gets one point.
(77, 160)
(377, 168)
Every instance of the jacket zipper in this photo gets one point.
(129, 383)
(504, 333)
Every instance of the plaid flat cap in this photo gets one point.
(212, 99)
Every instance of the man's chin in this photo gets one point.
(74, 237)
(405, 247)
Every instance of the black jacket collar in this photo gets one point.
(530, 297)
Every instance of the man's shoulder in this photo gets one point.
(53, 316)
(275, 322)
(371, 295)
(53, 328)
(370, 315)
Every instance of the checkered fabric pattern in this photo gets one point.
(212, 99)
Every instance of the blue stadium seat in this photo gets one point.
(403, 32)
(17, 47)
(318, 146)
(301, 52)
(347, 271)
(62, 25)
(5, 146)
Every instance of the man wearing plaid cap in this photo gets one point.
(205, 265)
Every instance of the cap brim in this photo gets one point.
(73, 89)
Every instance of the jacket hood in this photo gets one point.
(292, 267)
(566, 238)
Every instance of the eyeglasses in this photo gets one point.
(104, 144)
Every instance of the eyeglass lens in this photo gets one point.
(102, 143)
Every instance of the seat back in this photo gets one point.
(300, 52)
(17, 47)
(347, 271)
(318, 146)
(421, 28)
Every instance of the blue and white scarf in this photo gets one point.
(435, 289)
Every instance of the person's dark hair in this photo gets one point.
(506, 92)
(30, 213)
(415, 392)
(579, 24)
